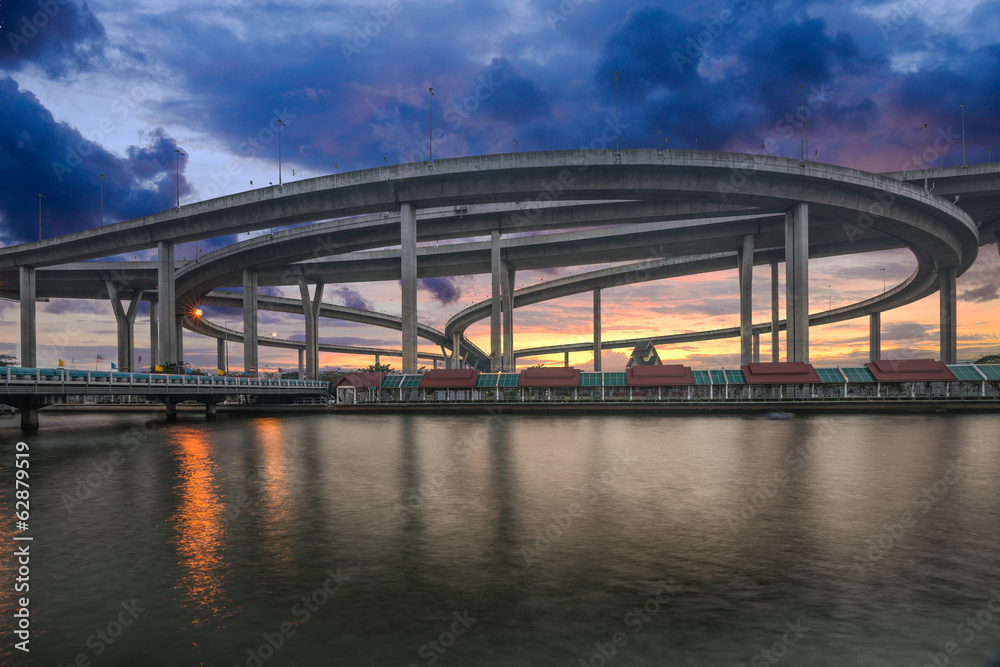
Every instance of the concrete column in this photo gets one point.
(496, 335)
(250, 361)
(507, 274)
(597, 330)
(166, 297)
(875, 336)
(311, 309)
(378, 359)
(29, 415)
(456, 350)
(746, 299)
(29, 341)
(949, 322)
(756, 348)
(210, 411)
(775, 315)
(408, 274)
(220, 353)
(126, 325)
(170, 407)
(565, 359)
(154, 337)
(302, 353)
(797, 282)
(179, 328)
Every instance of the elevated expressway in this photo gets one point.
(700, 210)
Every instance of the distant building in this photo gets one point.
(644, 354)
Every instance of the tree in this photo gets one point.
(8, 360)
(376, 368)
(989, 359)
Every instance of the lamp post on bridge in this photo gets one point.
(103, 178)
(177, 174)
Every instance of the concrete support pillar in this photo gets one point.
(220, 353)
(949, 322)
(302, 369)
(378, 359)
(496, 334)
(170, 406)
(456, 350)
(154, 338)
(29, 416)
(408, 275)
(597, 330)
(29, 342)
(746, 299)
(756, 348)
(210, 411)
(125, 319)
(166, 298)
(875, 336)
(797, 282)
(311, 308)
(565, 359)
(775, 315)
(507, 274)
(179, 328)
(250, 361)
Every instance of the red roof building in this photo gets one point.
(550, 377)
(785, 372)
(456, 378)
(361, 380)
(910, 370)
(658, 376)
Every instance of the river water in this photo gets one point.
(498, 540)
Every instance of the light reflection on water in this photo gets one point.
(549, 532)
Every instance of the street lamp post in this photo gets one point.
(103, 178)
(177, 175)
(989, 155)
(281, 124)
(924, 128)
(802, 122)
(962, 107)
(617, 148)
(883, 280)
(40, 198)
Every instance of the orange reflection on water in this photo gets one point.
(199, 526)
(276, 501)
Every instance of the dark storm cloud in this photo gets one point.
(444, 290)
(58, 35)
(352, 298)
(56, 160)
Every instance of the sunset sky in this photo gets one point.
(115, 88)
